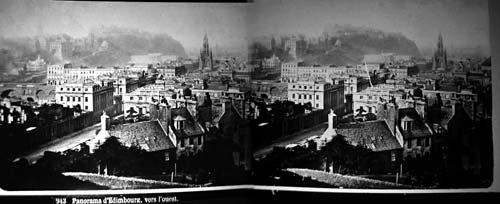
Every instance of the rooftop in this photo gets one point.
(418, 127)
(148, 135)
(374, 135)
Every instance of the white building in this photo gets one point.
(321, 95)
(368, 99)
(55, 75)
(36, 65)
(90, 96)
(298, 71)
(140, 99)
(61, 74)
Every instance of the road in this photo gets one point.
(293, 138)
(64, 143)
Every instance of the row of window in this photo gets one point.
(73, 89)
(300, 96)
(190, 141)
(74, 98)
(305, 87)
(426, 142)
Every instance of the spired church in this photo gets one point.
(439, 61)
(206, 59)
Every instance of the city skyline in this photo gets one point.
(420, 21)
(227, 24)
(187, 23)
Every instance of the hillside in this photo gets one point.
(354, 43)
(121, 44)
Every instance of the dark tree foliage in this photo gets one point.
(338, 153)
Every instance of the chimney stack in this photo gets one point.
(226, 106)
(105, 121)
(332, 119)
(164, 114)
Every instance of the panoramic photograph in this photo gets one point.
(371, 94)
(381, 94)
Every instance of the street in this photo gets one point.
(63, 143)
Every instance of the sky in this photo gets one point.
(463, 23)
(224, 23)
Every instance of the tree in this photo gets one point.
(360, 111)
(344, 157)
(131, 111)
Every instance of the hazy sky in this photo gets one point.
(224, 23)
(462, 22)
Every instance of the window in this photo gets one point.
(317, 97)
(140, 98)
(131, 98)
(167, 156)
(293, 86)
(79, 99)
(73, 89)
(182, 143)
(62, 89)
(73, 98)
(121, 90)
(191, 141)
(86, 89)
(86, 99)
(199, 140)
(419, 141)
(300, 96)
(360, 97)
(310, 96)
(393, 156)
(317, 105)
(293, 95)
(67, 98)
(62, 98)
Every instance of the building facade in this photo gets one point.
(89, 96)
(321, 95)
(36, 65)
(61, 74)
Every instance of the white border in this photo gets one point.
(494, 13)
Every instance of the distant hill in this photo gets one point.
(355, 42)
(359, 41)
(123, 43)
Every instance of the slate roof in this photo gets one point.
(418, 127)
(374, 135)
(217, 112)
(148, 135)
(487, 62)
(191, 127)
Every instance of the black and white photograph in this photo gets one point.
(322, 94)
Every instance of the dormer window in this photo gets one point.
(407, 123)
(179, 122)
